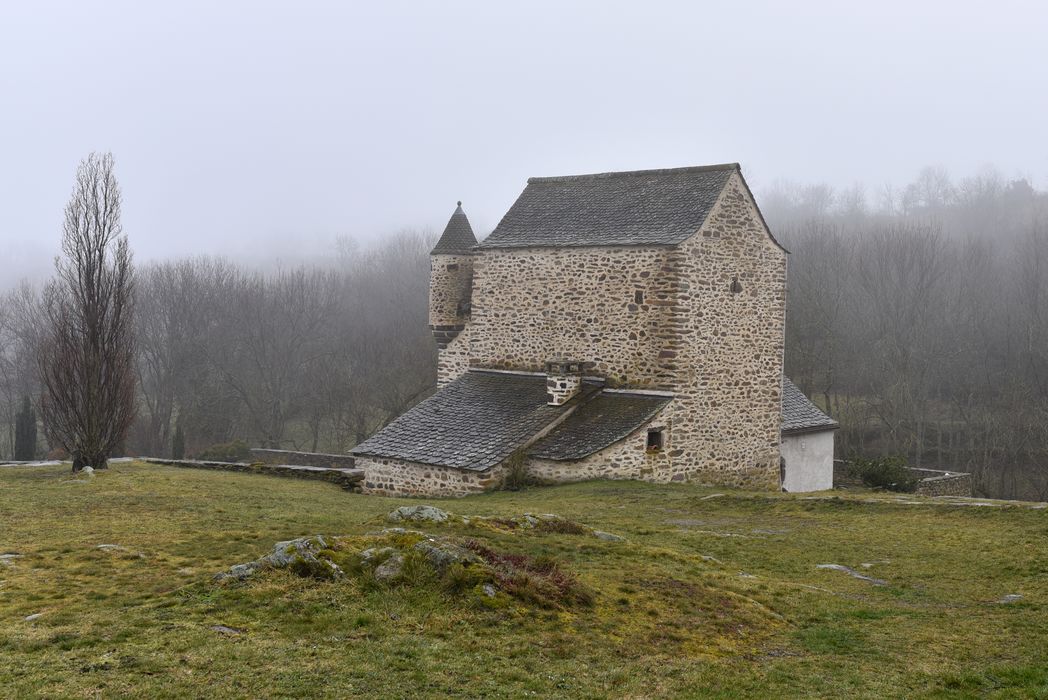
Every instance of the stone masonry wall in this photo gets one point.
(450, 284)
(453, 360)
(934, 482)
(596, 305)
(724, 349)
(628, 459)
(394, 477)
(937, 482)
(450, 290)
(311, 459)
(659, 317)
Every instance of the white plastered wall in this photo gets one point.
(809, 461)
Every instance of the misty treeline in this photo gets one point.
(919, 319)
(311, 358)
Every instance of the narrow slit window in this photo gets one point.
(638, 297)
(654, 440)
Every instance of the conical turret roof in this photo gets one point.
(458, 238)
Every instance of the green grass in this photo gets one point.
(708, 597)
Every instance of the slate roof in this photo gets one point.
(458, 238)
(641, 207)
(479, 419)
(473, 423)
(799, 414)
(599, 423)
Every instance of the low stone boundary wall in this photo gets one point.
(309, 459)
(843, 478)
(348, 479)
(937, 482)
(934, 482)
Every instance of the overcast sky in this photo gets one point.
(258, 128)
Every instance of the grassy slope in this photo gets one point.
(761, 620)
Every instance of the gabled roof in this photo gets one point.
(799, 414)
(636, 208)
(458, 238)
(475, 422)
(481, 418)
(599, 423)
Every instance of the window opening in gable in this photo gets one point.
(654, 440)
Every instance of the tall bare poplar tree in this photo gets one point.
(87, 355)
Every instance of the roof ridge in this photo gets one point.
(635, 173)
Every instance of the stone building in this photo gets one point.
(622, 325)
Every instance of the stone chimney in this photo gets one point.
(563, 381)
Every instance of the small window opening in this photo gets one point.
(638, 297)
(654, 440)
(452, 267)
(736, 285)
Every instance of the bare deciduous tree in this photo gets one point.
(86, 356)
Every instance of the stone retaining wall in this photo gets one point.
(934, 482)
(393, 477)
(309, 459)
(348, 479)
(943, 483)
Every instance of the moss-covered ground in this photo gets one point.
(709, 596)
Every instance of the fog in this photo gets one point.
(263, 130)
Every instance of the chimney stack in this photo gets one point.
(563, 381)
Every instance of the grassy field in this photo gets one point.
(709, 596)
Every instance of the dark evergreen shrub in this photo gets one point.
(25, 432)
(236, 451)
(891, 473)
(178, 443)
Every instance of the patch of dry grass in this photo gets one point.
(708, 597)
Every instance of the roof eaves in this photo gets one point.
(826, 427)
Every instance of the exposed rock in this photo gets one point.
(375, 554)
(390, 568)
(9, 559)
(441, 554)
(300, 555)
(418, 514)
(240, 571)
(607, 536)
(223, 629)
(34, 616)
(489, 590)
(1010, 598)
(284, 553)
(853, 573)
(116, 548)
(88, 471)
